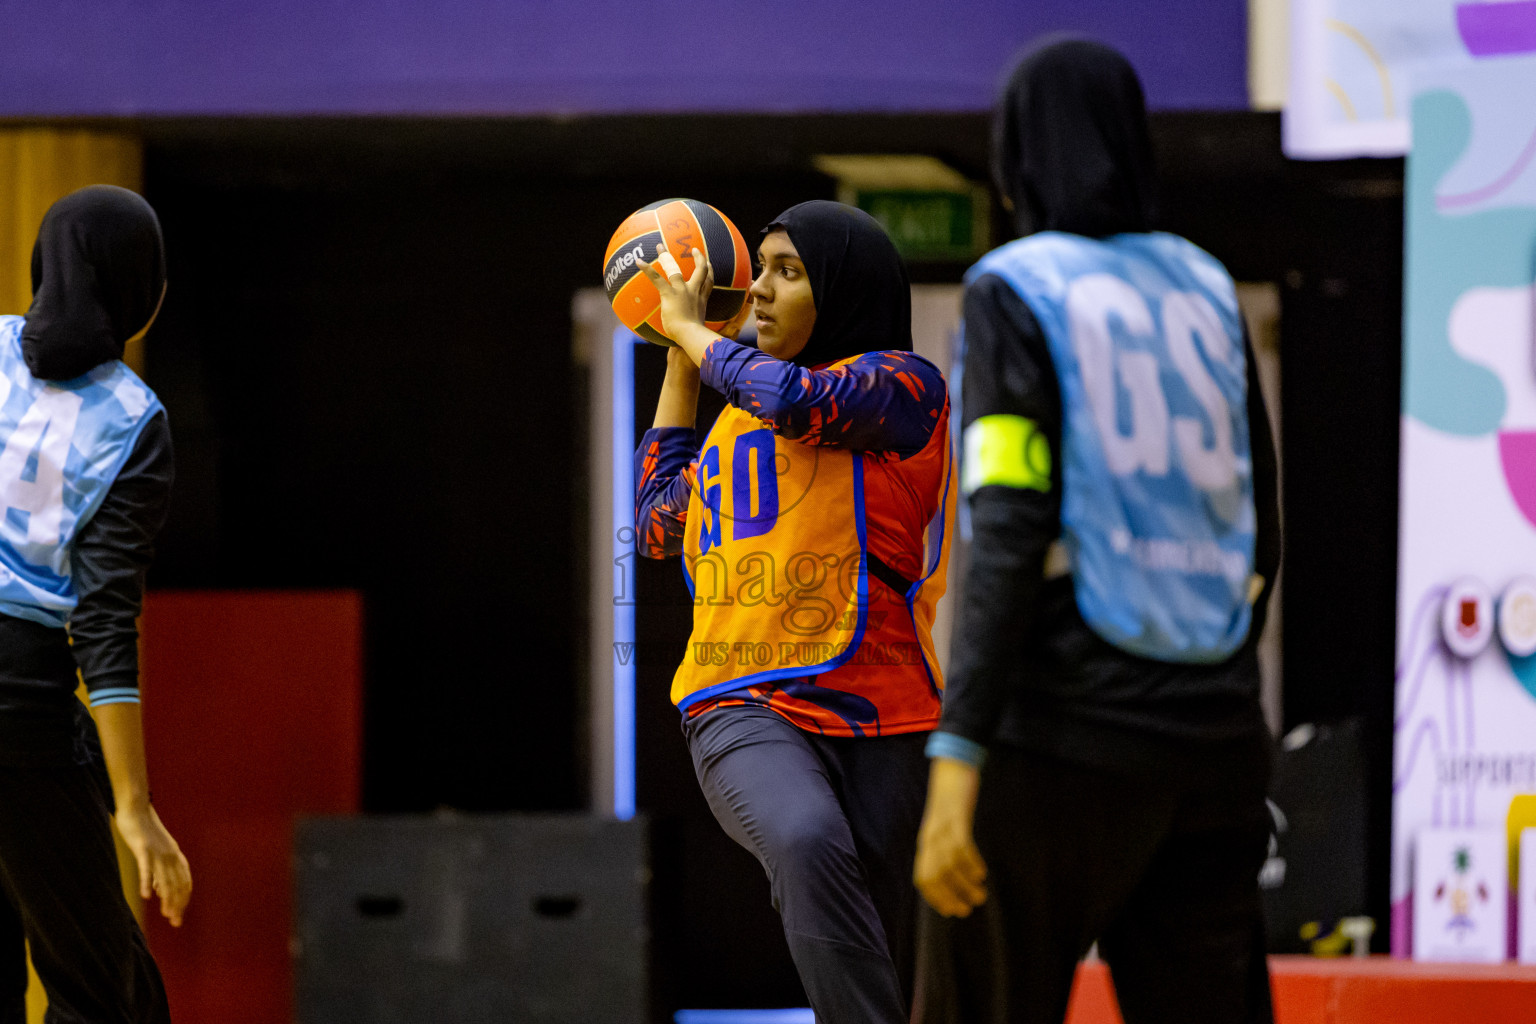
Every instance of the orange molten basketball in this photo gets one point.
(683, 224)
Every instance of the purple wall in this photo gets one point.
(518, 57)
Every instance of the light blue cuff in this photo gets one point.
(114, 695)
(956, 748)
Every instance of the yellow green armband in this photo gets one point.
(1006, 451)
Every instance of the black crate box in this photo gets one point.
(470, 919)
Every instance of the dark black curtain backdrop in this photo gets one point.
(366, 355)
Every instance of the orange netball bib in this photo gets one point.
(775, 556)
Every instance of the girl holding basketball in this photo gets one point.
(813, 527)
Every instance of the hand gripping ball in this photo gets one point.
(683, 224)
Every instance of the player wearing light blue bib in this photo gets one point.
(1099, 770)
(85, 475)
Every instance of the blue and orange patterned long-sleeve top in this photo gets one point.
(890, 408)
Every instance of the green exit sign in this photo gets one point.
(929, 226)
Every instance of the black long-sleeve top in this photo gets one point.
(1025, 669)
(110, 556)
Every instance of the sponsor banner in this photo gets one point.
(1465, 721)
(1460, 896)
(1355, 64)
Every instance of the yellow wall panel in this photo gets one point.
(38, 166)
(1269, 55)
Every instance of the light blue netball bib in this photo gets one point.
(1157, 512)
(61, 446)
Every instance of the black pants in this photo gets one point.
(1161, 870)
(834, 823)
(60, 891)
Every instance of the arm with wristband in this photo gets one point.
(110, 557)
(1011, 432)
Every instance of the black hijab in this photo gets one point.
(98, 270)
(858, 279)
(1070, 143)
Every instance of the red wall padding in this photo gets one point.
(253, 716)
(1368, 990)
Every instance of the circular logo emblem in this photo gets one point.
(1466, 621)
(1517, 617)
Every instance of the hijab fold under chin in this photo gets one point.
(98, 270)
(858, 279)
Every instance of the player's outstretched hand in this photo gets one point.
(682, 300)
(163, 868)
(949, 871)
